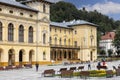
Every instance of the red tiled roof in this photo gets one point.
(108, 35)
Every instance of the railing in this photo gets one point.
(65, 46)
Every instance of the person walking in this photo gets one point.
(37, 66)
(89, 66)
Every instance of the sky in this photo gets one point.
(110, 8)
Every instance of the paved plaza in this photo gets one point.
(31, 74)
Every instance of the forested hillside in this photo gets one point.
(63, 11)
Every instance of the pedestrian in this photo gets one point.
(99, 63)
(89, 66)
(37, 66)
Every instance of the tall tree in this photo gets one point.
(63, 11)
(116, 41)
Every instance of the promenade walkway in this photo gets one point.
(31, 74)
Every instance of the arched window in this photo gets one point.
(55, 41)
(30, 35)
(1, 31)
(44, 38)
(60, 41)
(64, 41)
(21, 33)
(10, 32)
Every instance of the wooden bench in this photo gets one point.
(28, 65)
(62, 69)
(67, 73)
(1, 68)
(72, 68)
(109, 73)
(18, 67)
(101, 67)
(84, 74)
(118, 72)
(8, 68)
(81, 68)
(49, 73)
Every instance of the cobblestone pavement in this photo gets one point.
(31, 74)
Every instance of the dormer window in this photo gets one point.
(10, 11)
(75, 32)
(0, 9)
(31, 15)
(21, 13)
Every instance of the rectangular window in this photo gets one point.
(75, 43)
(44, 8)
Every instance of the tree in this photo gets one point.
(102, 52)
(118, 52)
(116, 41)
(63, 11)
(110, 52)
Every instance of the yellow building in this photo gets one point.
(74, 40)
(28, 36)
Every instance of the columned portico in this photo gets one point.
(60, 54)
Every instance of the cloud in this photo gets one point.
(106, 8)
(55, 0)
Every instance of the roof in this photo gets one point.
(71, 23)
(48, 1)
(59, 24)
(108, 35)
(16, 4)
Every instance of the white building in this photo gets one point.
(106, 42)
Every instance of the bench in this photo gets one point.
(62, 69)
(1, 68)
(49, 73)
(84, 74)
(72, 68)
(109, 73)
(18, 67)
(118, 72)
(67, 73)
(28, 65)
(8, 68)
(81, 68)
(101, 67)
